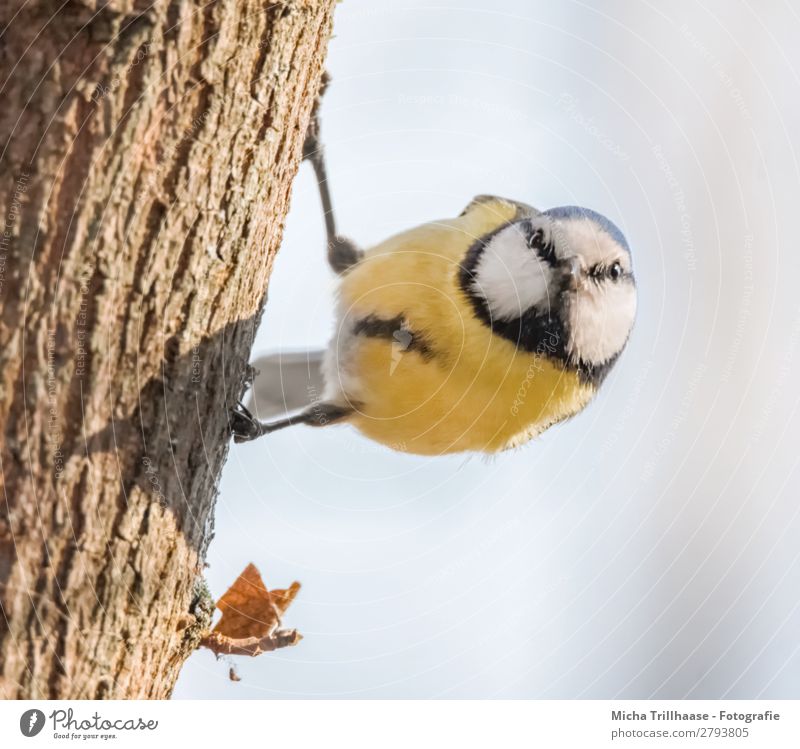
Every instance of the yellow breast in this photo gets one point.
(475, 391)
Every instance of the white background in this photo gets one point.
(649, 547)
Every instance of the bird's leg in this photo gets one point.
(245, 427)
(342, 252)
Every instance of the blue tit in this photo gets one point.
(472, 334)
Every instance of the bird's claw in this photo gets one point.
(244, 426)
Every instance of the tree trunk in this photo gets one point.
(148, 151)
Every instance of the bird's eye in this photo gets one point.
(535, 239)
(538, 242)
(615, 272)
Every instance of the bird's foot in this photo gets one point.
(244, 426)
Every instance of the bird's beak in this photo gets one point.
(573, 272)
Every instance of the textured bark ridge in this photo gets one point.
(147, 155)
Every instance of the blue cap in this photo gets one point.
(575, 211)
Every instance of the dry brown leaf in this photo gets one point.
(282, 599)
(251, 615)
(247, 608)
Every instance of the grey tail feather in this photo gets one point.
(285, 382)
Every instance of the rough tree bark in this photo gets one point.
(147, 155)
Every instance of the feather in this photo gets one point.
(285, 382)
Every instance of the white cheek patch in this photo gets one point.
(600, 321)
(510, 276)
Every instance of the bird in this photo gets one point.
(473, 334)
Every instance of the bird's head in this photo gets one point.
(565, 271)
